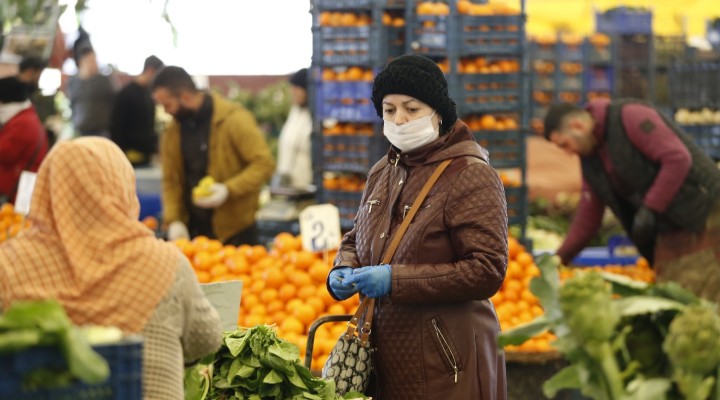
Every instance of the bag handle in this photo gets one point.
(367, 305)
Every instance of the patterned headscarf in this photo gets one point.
(86, 247)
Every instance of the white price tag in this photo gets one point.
(320, 227)
(24, 192)
(225, 297)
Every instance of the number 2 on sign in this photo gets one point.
(320, 227)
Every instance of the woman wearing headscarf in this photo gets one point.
(434, 328)
(87, 249)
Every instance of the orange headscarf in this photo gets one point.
(86, 247)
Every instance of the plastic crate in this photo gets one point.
(482, 35)
(707, 137)
(570, 53)
(479, 93)
(507, 148)
(268, 229)
(430, 35)
(543, 82)
(124, 383)
(598, 79)
(598, 55)
(343, 4)
(150, 205)
(634, 49)
(543, 51)
(571, 83)
(345, 101)
(517, 210)
(347, 203)
(668, 49)
(695, 84)
(623, 21)
(351, 153)
(339, 46)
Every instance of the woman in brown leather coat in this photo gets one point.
(434, 328)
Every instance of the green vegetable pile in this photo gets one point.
(255, 364)
(625, 339)
(45, 323)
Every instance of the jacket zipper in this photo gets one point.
(446, 348)
(372, 203)
(407, 208)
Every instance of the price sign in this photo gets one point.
(320, 227)
(24, 192)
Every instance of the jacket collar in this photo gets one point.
(598, 111)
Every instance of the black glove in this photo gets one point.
(643, 228)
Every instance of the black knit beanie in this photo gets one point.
(300, 78)
(13, 90)
(419, 77)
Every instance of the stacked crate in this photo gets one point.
(695, 100)
(598, 67)
(634, 56)
(480, 48)
(482, 54)
(352, 39)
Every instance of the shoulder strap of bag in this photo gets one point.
(367, 306)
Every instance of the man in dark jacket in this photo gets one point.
(132, 123)
(660, 185)
(23, 142)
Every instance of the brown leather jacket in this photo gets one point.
(435, 333)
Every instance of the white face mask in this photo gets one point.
(413, 134)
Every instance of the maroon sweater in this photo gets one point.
(665, 149)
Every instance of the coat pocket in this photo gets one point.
(446, 349)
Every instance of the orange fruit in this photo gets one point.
(336, 309)
(319, 271)
(247, 301)
(237, 264)
(303, 259)
(151, 222)
(284, 242)
(525, 259)
(274, 278)
(292, 325)
(218, 269)
(268, 294)
(317, 304)
(273, 306)
(253, 319)
(203, 276)
(255, 253)
(202, 260)
(324, 294)
(513, 247)
(306, 292)
(293, 304)
(257, 286)
(287, 292)
(300, 278)
(305, 313)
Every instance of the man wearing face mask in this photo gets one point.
(434, 329)
(23, 142)
(210, 136)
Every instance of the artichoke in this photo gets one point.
(693, 347)
(586, 303)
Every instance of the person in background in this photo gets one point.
(91, 95)
(662, 187)
(294, 164)
(87, 249)
(23, 140)
(209, 136)
(30, 70)
(132, 124)
(434, 328)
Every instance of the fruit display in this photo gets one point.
(283, 285)
(705, 116)
(11, 223)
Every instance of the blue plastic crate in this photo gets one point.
(431, 35)
(707, 137)
(601, 256)
(345, 45)
(517, 209)
(345, 101)
(598, 79)
(352, 153)
(483, 35)
(347, 203)
(150, 205)
(623, 21)
(479, 93)
(570, 53)
(543, 51)
(343, 4)
(124, 383)
(507, 148)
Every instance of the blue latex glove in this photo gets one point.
(335, 281)
(371, 281)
